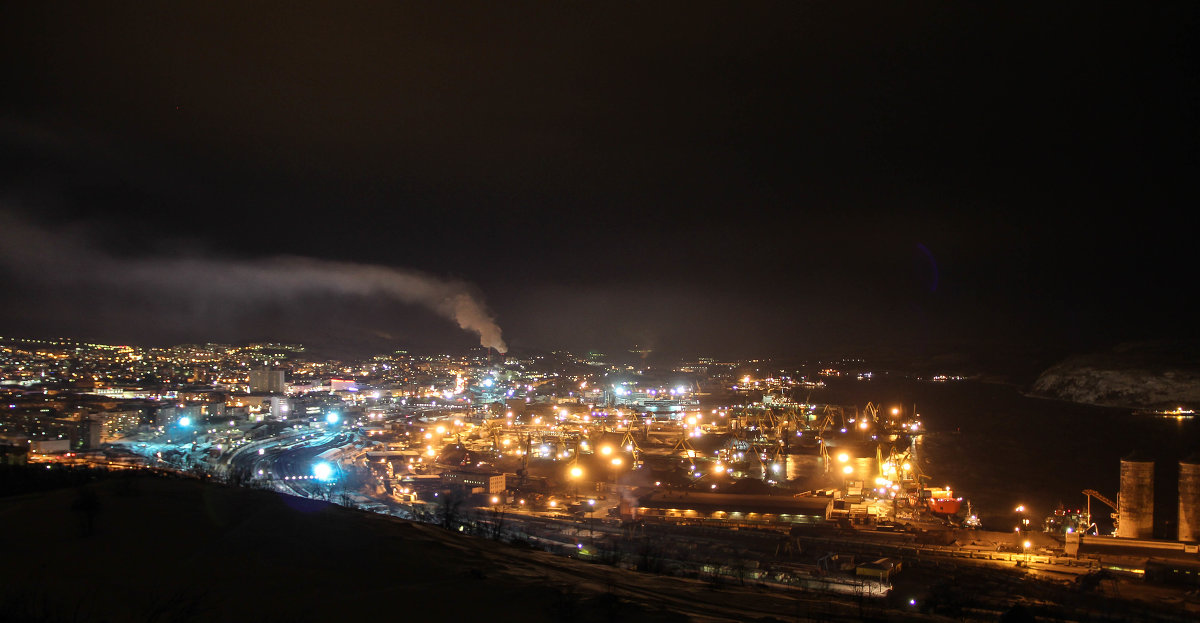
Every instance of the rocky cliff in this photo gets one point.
(1140, 376)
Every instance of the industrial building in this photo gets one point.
(1189, 499)
(490, 483)
(1135, 503)
(736, 507)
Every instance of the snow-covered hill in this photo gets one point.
(1138, 376)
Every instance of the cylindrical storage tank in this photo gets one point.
(1189, 498)
(1135, 504)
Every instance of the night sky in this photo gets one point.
(726, 179)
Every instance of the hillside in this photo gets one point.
(164, 549)
(1137, 376)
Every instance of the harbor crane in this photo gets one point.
(685, 449)
(631, 445)
(871, 412)
(1092, 493)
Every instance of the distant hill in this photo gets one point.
(1145, 375)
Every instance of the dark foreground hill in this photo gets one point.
(162, 549)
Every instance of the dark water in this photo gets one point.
(1000, 449)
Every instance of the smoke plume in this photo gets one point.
(66, 259)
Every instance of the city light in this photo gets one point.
(716, 240)
(322, 471)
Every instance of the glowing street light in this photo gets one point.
(322, 471)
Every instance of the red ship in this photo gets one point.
(939, 501)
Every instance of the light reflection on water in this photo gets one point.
(999, 448)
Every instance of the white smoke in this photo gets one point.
(62, 259)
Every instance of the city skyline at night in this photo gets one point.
(655, 311)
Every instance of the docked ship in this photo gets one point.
(938, 501)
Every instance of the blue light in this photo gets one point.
(185, 421)
(323, 471)
(332, 417)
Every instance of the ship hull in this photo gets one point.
(946, 506)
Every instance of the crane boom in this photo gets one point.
(1096, 494)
